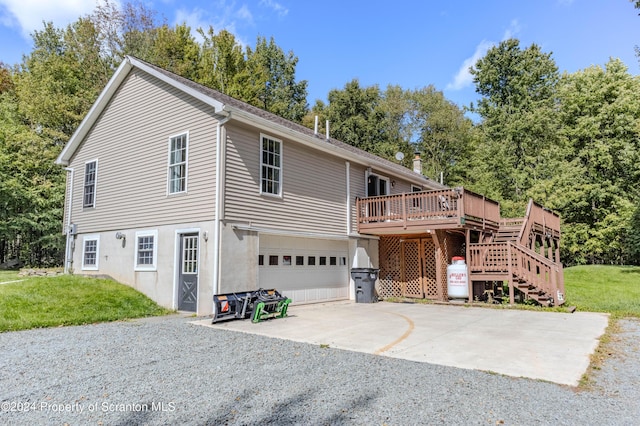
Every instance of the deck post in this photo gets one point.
(404, 210)
(512, 296)
(439, 270)
(467, 240)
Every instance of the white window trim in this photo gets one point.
(95, 184)
(186, 164)
(154, 265)
(91, 237)
(414, 187)
(269, 194)
(386, 179)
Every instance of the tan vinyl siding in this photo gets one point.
(400, 187)
(131, 143)
(314, 186)
(358, 189)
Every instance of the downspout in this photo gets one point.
(348, 165)
(220, 169)
(67, 251)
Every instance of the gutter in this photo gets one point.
(348, 191)
(67, 251)
(220, 173)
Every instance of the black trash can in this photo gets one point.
(365, 284)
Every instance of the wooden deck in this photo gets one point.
(420, 232)
(416, 212)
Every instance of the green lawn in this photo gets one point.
(69, 300)
(603, 288)
(8, 276)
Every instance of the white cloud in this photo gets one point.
(277, 7)
(193, 18)
(245, 14)
(227, 17)
(464, 78)
(512, 31)
(28, 15)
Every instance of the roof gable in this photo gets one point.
(239, 110)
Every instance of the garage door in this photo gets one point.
(307, 270)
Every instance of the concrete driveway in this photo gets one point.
(539, 345)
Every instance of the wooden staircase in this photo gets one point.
(510, 256)
(509, 230)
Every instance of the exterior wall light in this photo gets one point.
(123, 237)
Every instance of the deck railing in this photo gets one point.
(510, 260)
(449, 205)
(540, 219)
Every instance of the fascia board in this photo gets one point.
(93, 114)
(107, 93)
(217, 105)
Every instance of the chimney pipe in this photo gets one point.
(417, 163)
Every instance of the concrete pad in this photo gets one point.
(549, 346)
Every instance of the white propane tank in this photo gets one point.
(457, 279)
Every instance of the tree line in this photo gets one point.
(569, 141)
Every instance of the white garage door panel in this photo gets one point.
(305, 283)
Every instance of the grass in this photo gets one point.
(604, 288)
(69, 300)
(8, 276)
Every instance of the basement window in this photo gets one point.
(90, 252)
(146, 250)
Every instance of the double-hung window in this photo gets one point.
(178, 164)
(90, 252)
(270, 166)
(90, 178)
(146, 250)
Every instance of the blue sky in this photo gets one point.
(407, 43)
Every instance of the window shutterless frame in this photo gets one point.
(146, 251)
(90, 252)
(270, 166)
(90, 184)
(178, 163)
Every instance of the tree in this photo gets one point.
(519, 126)
(175, 50)
(442, 134)
(30, 190)
(268, 81)
(222, 62)
(600, 121)
(355, 115)
(632, 240)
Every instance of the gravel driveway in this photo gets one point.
(169, 371)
